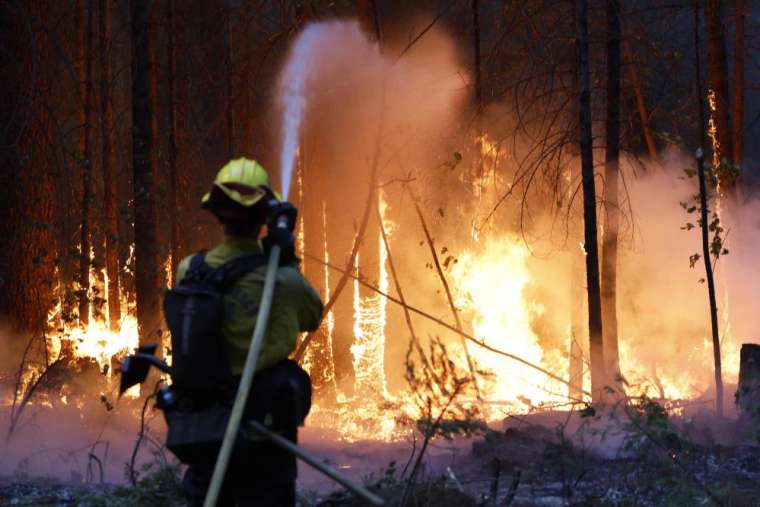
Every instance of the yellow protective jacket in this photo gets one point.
(296, 306)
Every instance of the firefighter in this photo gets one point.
(259, 473)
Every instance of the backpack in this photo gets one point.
(194, 312)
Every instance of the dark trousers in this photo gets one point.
(260, 476)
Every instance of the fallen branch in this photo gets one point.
(445, 284)
(392, 265)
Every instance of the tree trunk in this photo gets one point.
(146, 266)
(710, 289)
(27, 187)
(369, 260)
(718, 367)
(596, 345)
(738, 130)
(230, 65)
(320, 352)
(175, 186)
(748, 390)
(110, 213)
(611, 205)
(719, 124)
(85, 116)
(576, 328)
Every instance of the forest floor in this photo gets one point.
(548, 459)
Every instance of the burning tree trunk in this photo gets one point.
(146, 265)
(110, 218)
(611, 205)
(739, 15)
(84, 45)
(369, 319)
(717, 93)
(596, 348)
(320, 351)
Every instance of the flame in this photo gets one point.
(368, 349)
(490, 282)
(712, 126)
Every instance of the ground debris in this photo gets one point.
(47, 492)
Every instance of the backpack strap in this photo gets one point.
(198, 270)
(225, 275)
(240, 266)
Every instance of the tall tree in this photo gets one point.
(230, 72)
(703, 224)
(739, 53)
(717, 93)
(27, 189)
(175, 185)
(84, 48)
(110, 224)
(611, 204)
(146, 265)
(596, 344)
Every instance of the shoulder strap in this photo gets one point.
(198, 270)
(233, 270)
(226, 274)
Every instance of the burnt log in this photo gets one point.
(748, 391)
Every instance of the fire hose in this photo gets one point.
(241, 398)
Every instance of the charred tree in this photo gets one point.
(717, 92)
(84, 48)
(146, 259)
(739, 54)
(596, 344)
(110, 223)
(611, 201)
(748, 390)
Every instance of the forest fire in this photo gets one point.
(486, 234)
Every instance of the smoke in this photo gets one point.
(413, 109)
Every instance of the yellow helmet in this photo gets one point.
(243, 181)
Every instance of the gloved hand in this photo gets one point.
(282, 213)
(281, 224)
